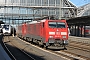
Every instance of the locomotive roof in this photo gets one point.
(38, 21)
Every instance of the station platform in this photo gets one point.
(3, 54)
(80, 39)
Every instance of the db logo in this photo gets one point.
(57, 33)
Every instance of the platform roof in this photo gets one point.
(84, 20)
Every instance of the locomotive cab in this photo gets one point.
(6, 29)
(57, 33)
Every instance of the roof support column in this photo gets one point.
(78, 31)
(84, 31)
(81, 30)
(75, 31)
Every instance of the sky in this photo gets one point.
(79, 3)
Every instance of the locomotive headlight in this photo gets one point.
(50, 36)
(63, 36)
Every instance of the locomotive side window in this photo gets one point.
(57, 25)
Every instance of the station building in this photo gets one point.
(19, 11)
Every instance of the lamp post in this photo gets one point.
(13, 27)
(12, 18)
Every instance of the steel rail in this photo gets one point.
(8, 51)
(22, 51)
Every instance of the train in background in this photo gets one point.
(47, 33)
(84, 31)
(7, 29)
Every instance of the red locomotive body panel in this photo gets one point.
(47, 32)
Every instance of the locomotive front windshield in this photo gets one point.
(6, 26)
(57, 25)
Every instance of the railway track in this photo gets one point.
(7, 50)
(73, 55)
(70, 55)
(67, 57)
(14, 51)
(79, 45)
(61, 53)
(81, 49)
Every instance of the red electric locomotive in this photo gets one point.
(48, 33)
